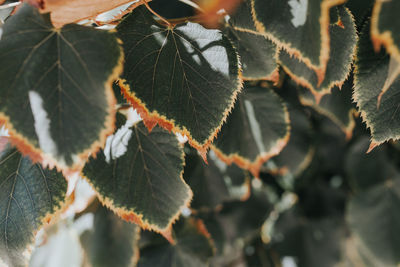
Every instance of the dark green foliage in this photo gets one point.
(271, 100)
(29, 196)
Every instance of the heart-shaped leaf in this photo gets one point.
(257, 129)
(301, 27)
(29, 197)
(184, 78)
(258, 55)
(55, 90)
(139, 176)
(343, 39)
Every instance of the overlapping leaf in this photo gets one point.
(257, 129)
(301, 27)
(215, 182)
(185, 78)
(375, 232)
(29, 196)
(193, 247)
(55, 90)
(296, 156)
(70, 11)
(337, 106)
(258, 55)
(373, 72)
(112, 242)
(343, 39)
(385, 27)
(139, 176)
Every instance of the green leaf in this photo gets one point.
(385, 27)
(300, 27)
(257, 54)
(375, 233)
(184, 78)
(55, 91)
(139, 176)
(372, 73)
(112, 242)
(215, 182)
(343, 39)
(257, 129)
(367, 170)
(29, 197)
(193, 247)
(297, 155)
(337, 106)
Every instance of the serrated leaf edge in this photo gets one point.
(137, 218)
(384, 38)
(318, 94)
(324, 20)
(36, 155)
(255, 165)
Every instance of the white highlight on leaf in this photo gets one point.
(299, 12)
(181, 138)
(42, 125)
(117, 144)
(186, 212)
(288, 261)
(215, 55)
(254, 126)
(3, 131)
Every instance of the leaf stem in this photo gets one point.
(155, 13)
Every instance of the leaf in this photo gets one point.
(343, 38)
(297, 155)
(56, 87)
(372, 71)
(29, 198)
(112, 242)
(258, 55)
(193, 247)
(385, 26)
(215, 182)
(184, 78)
(139, 176)
(69, 11)
(301, 27)
(337, 106)
(257, 129)
(375, 232)
(321, 239)
(367, 170)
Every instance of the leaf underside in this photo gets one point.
(29, 196)
(343, 39)
(55, 89)
(145, 184)
(185, 78)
